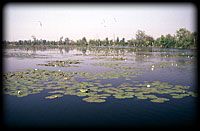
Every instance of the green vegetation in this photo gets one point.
(56, 63)
(53, 96)
(182, 39)
(57, 83)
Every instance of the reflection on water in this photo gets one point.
(138, 56)
(134, 51)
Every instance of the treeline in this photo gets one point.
(183, 39)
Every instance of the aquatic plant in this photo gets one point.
(57, 63)
(25, 82)
(94, 99)
(160, 100)
(53, 96)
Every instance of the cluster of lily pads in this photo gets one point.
(128, 66)
(90, 88)
(18, 54)
(58, 63)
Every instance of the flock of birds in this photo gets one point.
(103, 22)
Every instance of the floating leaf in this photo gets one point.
(160, 100)
(31, 81)
(93, 99)
(53, 96)
(57, 91)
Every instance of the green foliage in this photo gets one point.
(58, 84)
(140, 38)
(183, 39)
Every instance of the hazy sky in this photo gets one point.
(95, 21)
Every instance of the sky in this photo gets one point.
(95, 21)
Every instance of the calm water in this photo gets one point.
(71, 111)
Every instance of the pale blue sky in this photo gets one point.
(95, 21)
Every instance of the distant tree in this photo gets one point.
(79, 42)
(25, 42)
(67, 41)
(170, 41)
(34, 38)
(104, 42)
(157, 42)
(84, 41)
(44, 42)
(148, 41)
(193, 40)
(111, 42)
(60, 41)
(92, 42)
(107, 41)
(130, 42)
(183, 36)
(183, 39)
(117, 41)
(140, 38)
(20, 42)
(122, 42)
(98, 42)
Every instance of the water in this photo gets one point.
(71, 111)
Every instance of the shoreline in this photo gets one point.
(64, 46)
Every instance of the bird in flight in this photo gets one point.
(40, 23)
(115, 20)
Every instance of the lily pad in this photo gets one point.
(93, 99)
(53, 96)
(160, 100)
(57, 91)
(32, 81)
(58, 63)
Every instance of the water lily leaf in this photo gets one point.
(159, 100)
(93, 99)
(32, 81)
(53, 96)
(108, 84)
(57, 91)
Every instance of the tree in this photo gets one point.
(122, 42)
(60, 41)
(148, 41)
(130, 42)
(25, 42)
(183, 38)
(104, 42)
(67, 40)
(44, 42)
(111, 42)
(170, 41)
(107, 41)
(79, 42)
(193, 40)
(140, 38)
(84, 41)
(99, 42)
(157, 43)
(117, 41)
(20, 42)
(92, 42)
